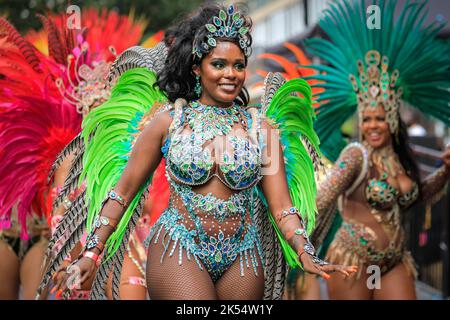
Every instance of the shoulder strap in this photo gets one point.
(253, 131)
(178, 115)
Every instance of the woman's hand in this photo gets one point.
(73, 277)
(314, 265)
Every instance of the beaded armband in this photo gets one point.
(285, 213)
(308, 246)
(113, 195)
(92, 240)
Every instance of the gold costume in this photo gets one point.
(371, 232)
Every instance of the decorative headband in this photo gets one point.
(376, 87)
(227, 25)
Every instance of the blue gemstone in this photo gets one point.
(231, 9)
(217, 21)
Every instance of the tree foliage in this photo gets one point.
(159, 13)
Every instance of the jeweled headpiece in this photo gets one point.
(89, 86)
(229, 25)
(376, 87)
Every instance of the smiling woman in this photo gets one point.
(376, 179)
(227, 225)
(374, 127)
(221, 74)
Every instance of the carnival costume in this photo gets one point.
(402, 61)
(242, 224)
(42, 114)
(35, 126)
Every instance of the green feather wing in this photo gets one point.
(109, 132)
(294, 115)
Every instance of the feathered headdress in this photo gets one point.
(35, 125)
(402, 60)
(37, 98)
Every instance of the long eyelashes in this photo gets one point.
(221, 65)
(218, 65)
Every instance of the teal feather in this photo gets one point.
(412, 48)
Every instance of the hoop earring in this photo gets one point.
(198, 86)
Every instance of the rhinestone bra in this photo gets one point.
(380, 194)
(189, 162)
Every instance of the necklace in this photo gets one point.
(207, 121)
(386, 161)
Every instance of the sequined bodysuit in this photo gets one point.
(214, 231)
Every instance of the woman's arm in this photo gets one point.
(144, 158)
(339, 178)
(276, 190)
(436, 181)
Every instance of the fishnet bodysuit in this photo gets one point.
(182, 264)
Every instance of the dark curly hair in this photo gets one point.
(405, 153)
(177, 78)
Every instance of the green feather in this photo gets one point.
(294, 116)
(109, 132)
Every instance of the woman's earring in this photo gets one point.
(198, 86)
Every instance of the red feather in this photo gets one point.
(25, 47)
(36, 122)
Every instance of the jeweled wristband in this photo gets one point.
(285, 213)
(94, 242)
(298, 231)
(113, 195)
(104, 221)
(91, 255)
